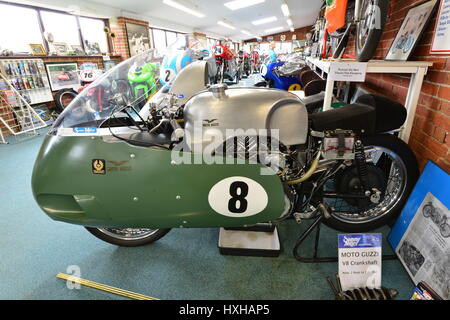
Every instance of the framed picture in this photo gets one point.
(138, 38)
(60, 48)
(63, 75)
(109, 64)
(37, 49)
(77, 50)
(411, 30)
(441, 39)
(421, 235)
(92, 48)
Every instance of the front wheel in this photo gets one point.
(392, 169)
(369, 29)
(128, 237)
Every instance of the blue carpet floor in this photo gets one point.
(185, 264)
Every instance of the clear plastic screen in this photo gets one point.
(129, 84)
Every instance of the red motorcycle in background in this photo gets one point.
(255, 61)
(226, 64)
(244, 64)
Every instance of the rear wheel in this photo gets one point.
(370, 28)
(392, 169)
(128, 237)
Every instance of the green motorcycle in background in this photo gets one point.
(142, 81)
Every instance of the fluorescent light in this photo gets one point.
(246, 32)
(285, 9)
(226, 25)
(274, 29)
(289, 22)
(181, 7)
(264, 20)
(239, 4)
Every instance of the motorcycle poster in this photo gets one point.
(63, 76)
(421, 236)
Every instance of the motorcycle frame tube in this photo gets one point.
(147, 191)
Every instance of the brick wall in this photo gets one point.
(430, 136)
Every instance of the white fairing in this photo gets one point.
(191, 80)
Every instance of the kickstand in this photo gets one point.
(315, 258)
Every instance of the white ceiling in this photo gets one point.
(303, 12)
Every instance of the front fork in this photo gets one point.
(356, 17)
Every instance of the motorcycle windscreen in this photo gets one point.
(131, 83)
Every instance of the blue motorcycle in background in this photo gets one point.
(275, 77)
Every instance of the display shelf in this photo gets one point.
(417, 69)
(28, 77)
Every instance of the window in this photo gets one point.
(63, 27)
(278, 47)
(159, 39)
(286, 47)
(171, 37)
(265, 47)
(164, 38)
(92, 31)
(28, 31)
(211, 43)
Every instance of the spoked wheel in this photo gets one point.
(392, 169)
(373, 15)
(128, 237)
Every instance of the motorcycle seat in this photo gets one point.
(369, 114)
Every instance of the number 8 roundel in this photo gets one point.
(238, 197)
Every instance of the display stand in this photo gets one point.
(259, 241)
(417, 69)
(315, 258)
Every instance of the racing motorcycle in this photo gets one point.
(244, 64)
(281, 75)
(365, 18)
(226, 64)
(221, 157)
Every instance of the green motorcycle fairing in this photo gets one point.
(87, 181)
(142, 80)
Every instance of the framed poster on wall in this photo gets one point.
(421, 235)
(63, 75)
(138, 38)
(441, 40)
(411, 30)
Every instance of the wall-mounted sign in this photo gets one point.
(294, 37)
(270, 39)
(441, 41)
(283, 37)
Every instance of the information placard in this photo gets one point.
(360, 260)
(441, 40)
(348, 71)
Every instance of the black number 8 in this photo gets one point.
(238, 197)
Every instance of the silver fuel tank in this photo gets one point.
(222, 108)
